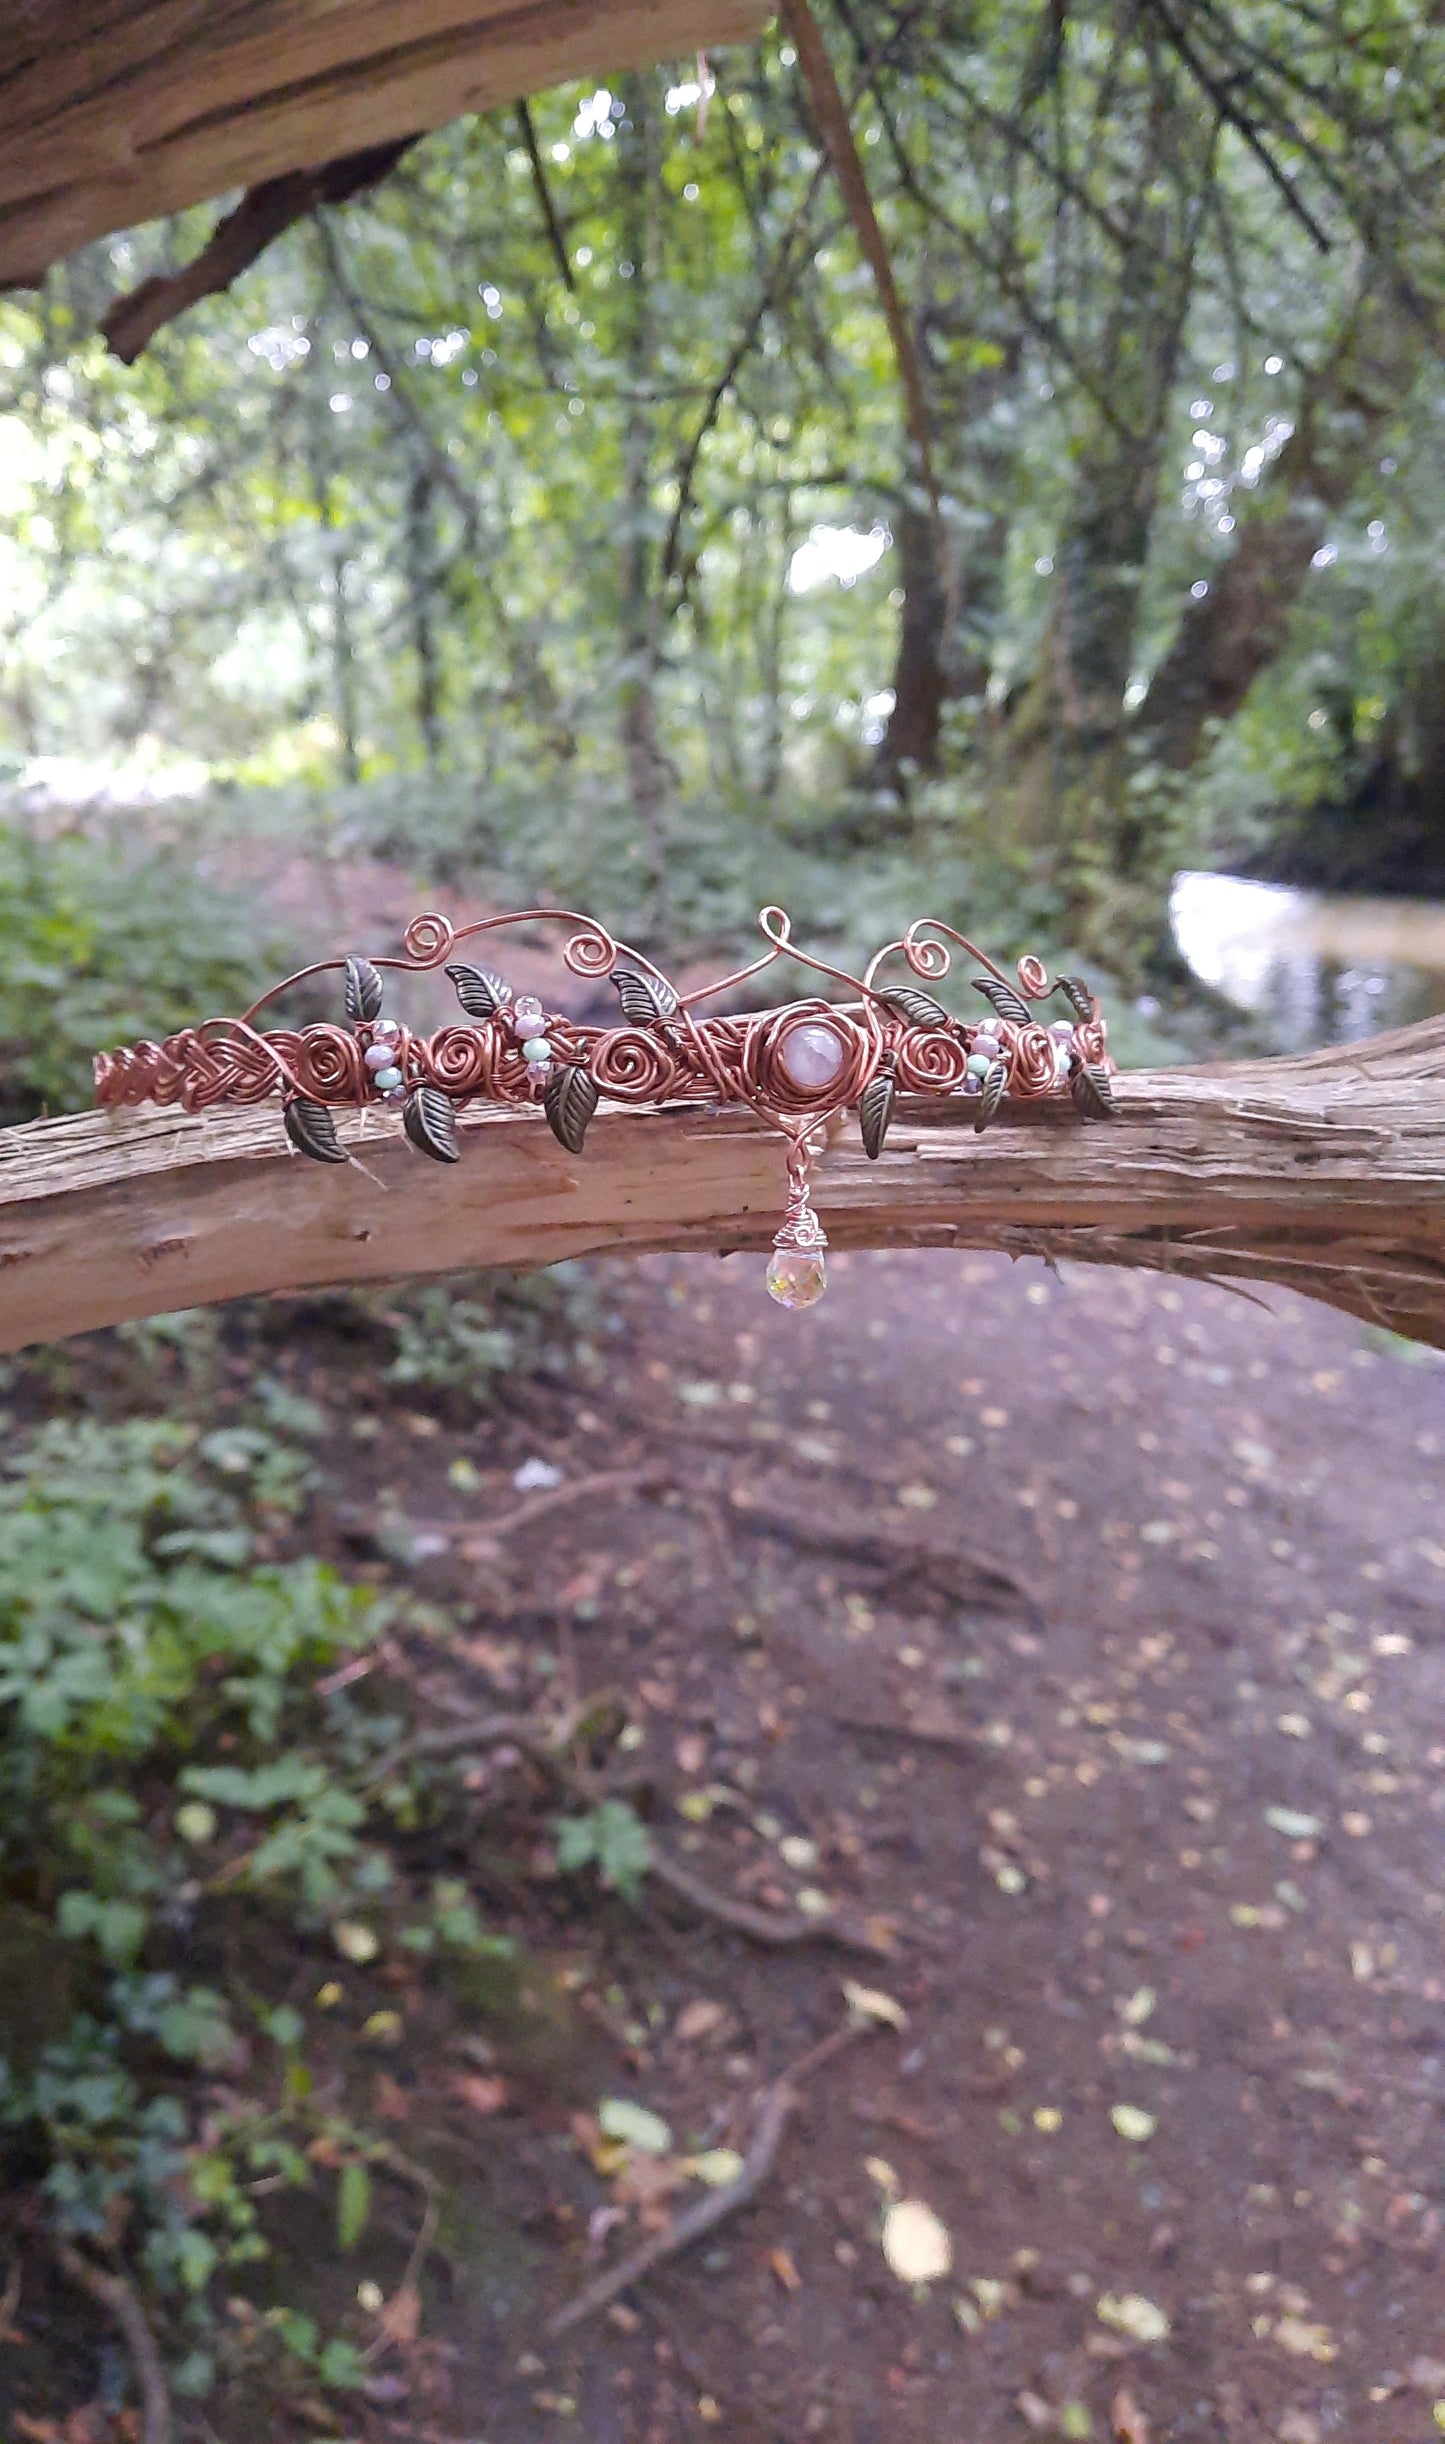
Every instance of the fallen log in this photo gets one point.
(1325, 1173)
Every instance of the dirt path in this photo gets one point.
(1162, 1856)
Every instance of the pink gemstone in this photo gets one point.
(811, 1055)
(379, 1056)
(527, 1015)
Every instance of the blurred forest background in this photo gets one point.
(578, 515)
(563, 515)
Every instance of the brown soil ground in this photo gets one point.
(1144, 1822)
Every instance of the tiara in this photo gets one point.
(799, 1066)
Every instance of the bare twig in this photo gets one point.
(970, 1576)
(262, 214)
(545, 204)
(581, 1489)
(831, 113)
(775, 2107)
(118, 2299)
(771, 1926)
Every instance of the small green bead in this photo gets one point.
(979, 1065)
(385, 1079)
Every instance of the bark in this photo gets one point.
(113, 112)
(1239, 628)
(1325, 1174)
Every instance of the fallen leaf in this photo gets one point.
(915, 2244)
(355, 1941)
(1133, 2123)
(483, 2094)
(881, 2172)
(618, 2118)
(1130, 2424)
(389, 2102)
(868, 2003)
(700, 2018)
(400, 2319)
(781, 2261)
(1133, 2315)
(1293, 1824)
(717, 2167)
(1305, 2340)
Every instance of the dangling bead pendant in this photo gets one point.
(797, 1273)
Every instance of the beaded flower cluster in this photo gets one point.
(799, 1066)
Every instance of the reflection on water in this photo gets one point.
(1319, 967)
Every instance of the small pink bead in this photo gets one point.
(527, 1015)
(379, 1056)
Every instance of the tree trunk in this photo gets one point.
(1239, 627)
(1325, 1174)
(420, 578)
(639, 167)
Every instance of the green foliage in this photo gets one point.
(610, 1837)
(458, 1335)
(104, 943)
(156, 1713)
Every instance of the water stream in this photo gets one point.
(1318, 967)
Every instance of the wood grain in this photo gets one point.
(1325, 1173)
(120, 114)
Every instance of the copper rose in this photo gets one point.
(325, 1062)
(458, 1059)
(633, 1066)
(1033, 1066)
(931, 1061)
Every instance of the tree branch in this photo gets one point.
(262, 214)
(1326, 1173)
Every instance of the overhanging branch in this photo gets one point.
(1325, 1174)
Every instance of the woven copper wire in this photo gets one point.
(684, 1057)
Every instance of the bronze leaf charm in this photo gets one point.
(480, 990)
(1092, 1093)
(430, 1121)
(875, 1110)
(1076, 993)
(917, 1008)
(569, 1101)
(646, 1001)
(1006, 1001)
(312, 1130)
(363, 990)
(990, 1095)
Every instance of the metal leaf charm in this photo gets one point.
(875, 1110)
(1078, 996)
(1092, 1093)
(645, 1000)
(363, 989)
(430, 1121)
(569, 1101)
(918, 1009)
(480, 990)
(990, 1095)
(312, 1130)
(1006, 1001)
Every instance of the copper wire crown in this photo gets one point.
(799, 1066)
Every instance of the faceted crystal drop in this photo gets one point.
(794, 1278)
